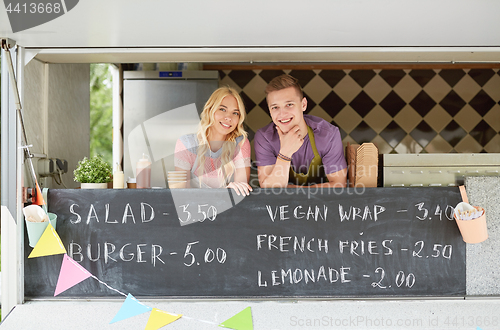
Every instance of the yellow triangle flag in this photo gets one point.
(159, 318)
(48, 244)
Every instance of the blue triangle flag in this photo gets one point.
(131, 307)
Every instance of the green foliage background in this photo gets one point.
(101, 112)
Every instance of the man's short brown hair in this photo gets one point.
(284, 81)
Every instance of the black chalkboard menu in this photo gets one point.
(371, 242)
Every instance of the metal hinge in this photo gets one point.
(7, 42)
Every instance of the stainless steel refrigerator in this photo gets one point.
(159, 107)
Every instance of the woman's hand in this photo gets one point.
(242, 188)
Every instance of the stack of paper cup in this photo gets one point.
(177, 179)
(37, 221)
(471, 221)
(131, 183)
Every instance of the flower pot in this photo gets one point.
(94, 185)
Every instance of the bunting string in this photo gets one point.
(190, 318)
(108, 286)
(73, 273)
(123, 294)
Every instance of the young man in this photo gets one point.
(297, 149)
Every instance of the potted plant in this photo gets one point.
(93, 173)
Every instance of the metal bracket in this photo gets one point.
(7, 42)
(28, 195)
(6, 45)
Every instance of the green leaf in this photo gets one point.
(93, 170)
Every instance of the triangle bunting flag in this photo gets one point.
(131, 307)
(48, 244)
(159, 318)
(38, 197)
(241, 321)
(70, 275)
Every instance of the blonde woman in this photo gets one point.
(218, 155)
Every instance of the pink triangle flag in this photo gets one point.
(70, 275)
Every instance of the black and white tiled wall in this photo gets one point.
(400, 110)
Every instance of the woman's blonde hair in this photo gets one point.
(227, 168)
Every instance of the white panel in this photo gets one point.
(274, 54)
(68, 115)
(137, 147)
(33, 105)
(11, 277)
(56, 108)
(231, 23)
(181, 121)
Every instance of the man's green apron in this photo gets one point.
(315, 172)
